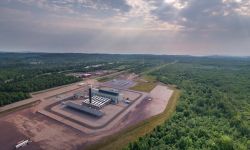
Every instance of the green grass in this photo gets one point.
(148, 83)
(149, 78)
(110, 76)
(104, 79)
(144, 86)
(157, 68)
(121, 139)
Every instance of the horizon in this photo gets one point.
(40, 52)
(161, 27)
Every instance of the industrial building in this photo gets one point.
(97, 98)
(79, 95)
(114, 95)
(97, 102)
(86, 75)
(84, 109)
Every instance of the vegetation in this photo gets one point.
(213, 111)
(21, 73)
(122, 138)
(110, 77)
(18, 90)
(145, 84)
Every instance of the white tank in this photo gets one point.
(22, 143)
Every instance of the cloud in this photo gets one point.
(178, 4)
(92, 7)
(126, 26)
(214, 17)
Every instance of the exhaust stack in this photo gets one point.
(90, 96)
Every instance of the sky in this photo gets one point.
(171, 27)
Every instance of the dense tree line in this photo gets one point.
(22, 73)
(213, 111)
(38, 83)
(11, 97)
(15, 91)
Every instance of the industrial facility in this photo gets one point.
(97, 99)
(85, 109)
(112, 94)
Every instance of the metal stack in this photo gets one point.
(90, 96)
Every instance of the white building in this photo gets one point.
(112, 94)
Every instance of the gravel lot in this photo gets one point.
(50, 134)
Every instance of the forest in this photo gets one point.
(22, 73)
(213, 111)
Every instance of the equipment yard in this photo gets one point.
(77, 115)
